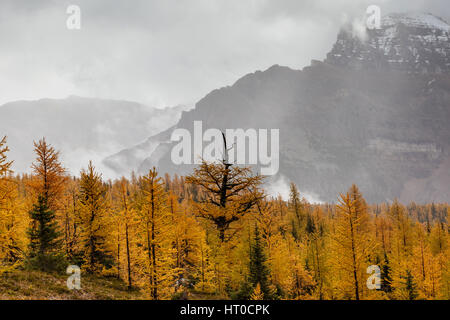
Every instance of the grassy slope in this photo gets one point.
(35, 285)
(32, 285)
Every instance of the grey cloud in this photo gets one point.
(165, 52)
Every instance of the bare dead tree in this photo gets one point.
(231, 191)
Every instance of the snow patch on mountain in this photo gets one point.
(414, 43)
(417, 20)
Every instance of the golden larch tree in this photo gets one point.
(49, 174)
(95, 221)
(156, 234)
(126, 222)
(13, 221)
(352, 243)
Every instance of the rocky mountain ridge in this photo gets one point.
(371, 114)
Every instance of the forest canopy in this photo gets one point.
(216, 234)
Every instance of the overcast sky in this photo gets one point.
(165, 52)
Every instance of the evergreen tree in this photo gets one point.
(43, 235)
(259, 272)
(310, 225)
(410, 285)
(386, 278)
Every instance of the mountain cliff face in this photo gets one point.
(365, 115)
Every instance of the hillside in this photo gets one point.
(82, 129)
(34, 285)
(37, 285)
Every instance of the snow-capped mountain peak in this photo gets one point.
(414, 43)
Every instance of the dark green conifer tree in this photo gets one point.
(410, 285)
(386, 278)
(44, 236)
(259, 272)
